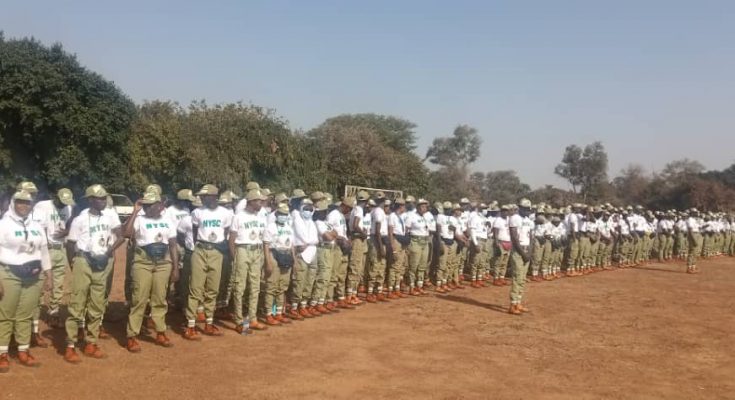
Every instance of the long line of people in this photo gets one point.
(269, 259)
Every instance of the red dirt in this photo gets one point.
(648, 333)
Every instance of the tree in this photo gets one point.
(632, 185)
(368, 150)
(60, 124)
(553, 196)
(394, 132)
(453, 155)
(586, 169)
(461, 149)
(501, 186)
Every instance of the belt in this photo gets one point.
(327, 245)
(58, 246)
(420, 238)
(206, 245)
(250, 246)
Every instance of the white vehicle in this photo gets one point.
(123, 206)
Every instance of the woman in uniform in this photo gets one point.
(24, 267)
(154, 256)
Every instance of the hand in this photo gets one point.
(138, 205)
(268, 269)
(300, 249)
(174, 274)
(48, 285)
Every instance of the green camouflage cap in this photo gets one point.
(150, 197)
(22, 195)
(185, 194)
(349, 202)
(256, 195)
(282, 208)
(208, 190)
(321, 205)
(27, 186)
(281, 197)
(95, 191)
(154, 188)
(66, 197)
(225, 197)
(316, 196)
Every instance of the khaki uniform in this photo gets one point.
(88, 292)
(19, 303)
(150, 286)
(246, 275)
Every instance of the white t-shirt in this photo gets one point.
(416, 224)
(430, 221)
(280, 237)
(175, 214)
(396, 222)
(558, 232)
(478, 228)
(357, 212)
(93, 233)
(187, 229)
(377, 216)
(240, 206)
(306, 234)
(337, 221)
(211, 224)
(693, 225)
(366, 223)
(46, 214)
(148, 230)
(524, 227)
(323, 227)
(572, 222)
(249, 227)
(501, 224)
(22, 242)
(443, 222)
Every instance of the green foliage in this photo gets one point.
(585, 169)
(460, 149)
(361, 149)
(60, 124)
(502, 186)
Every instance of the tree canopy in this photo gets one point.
(60, 124)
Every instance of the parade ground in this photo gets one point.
(652, 332)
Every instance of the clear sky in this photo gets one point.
(654, 80)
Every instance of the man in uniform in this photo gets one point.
(306, 240)
(278, 238)
(502, 246)
(694, 236)
(211, 225)
(359, 248)
(418, 251)
(478, 245)
(340, 255)
(248, 251)
(53, 216)
(520, 226)
(91, 243)
(447, 253)
(399, 242)
(572, 223)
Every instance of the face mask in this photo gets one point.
(307, 215)
(281, 219)
(410, 207)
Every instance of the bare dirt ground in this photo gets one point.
(648, 333)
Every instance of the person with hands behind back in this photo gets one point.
(24, 258)
(155, 255)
